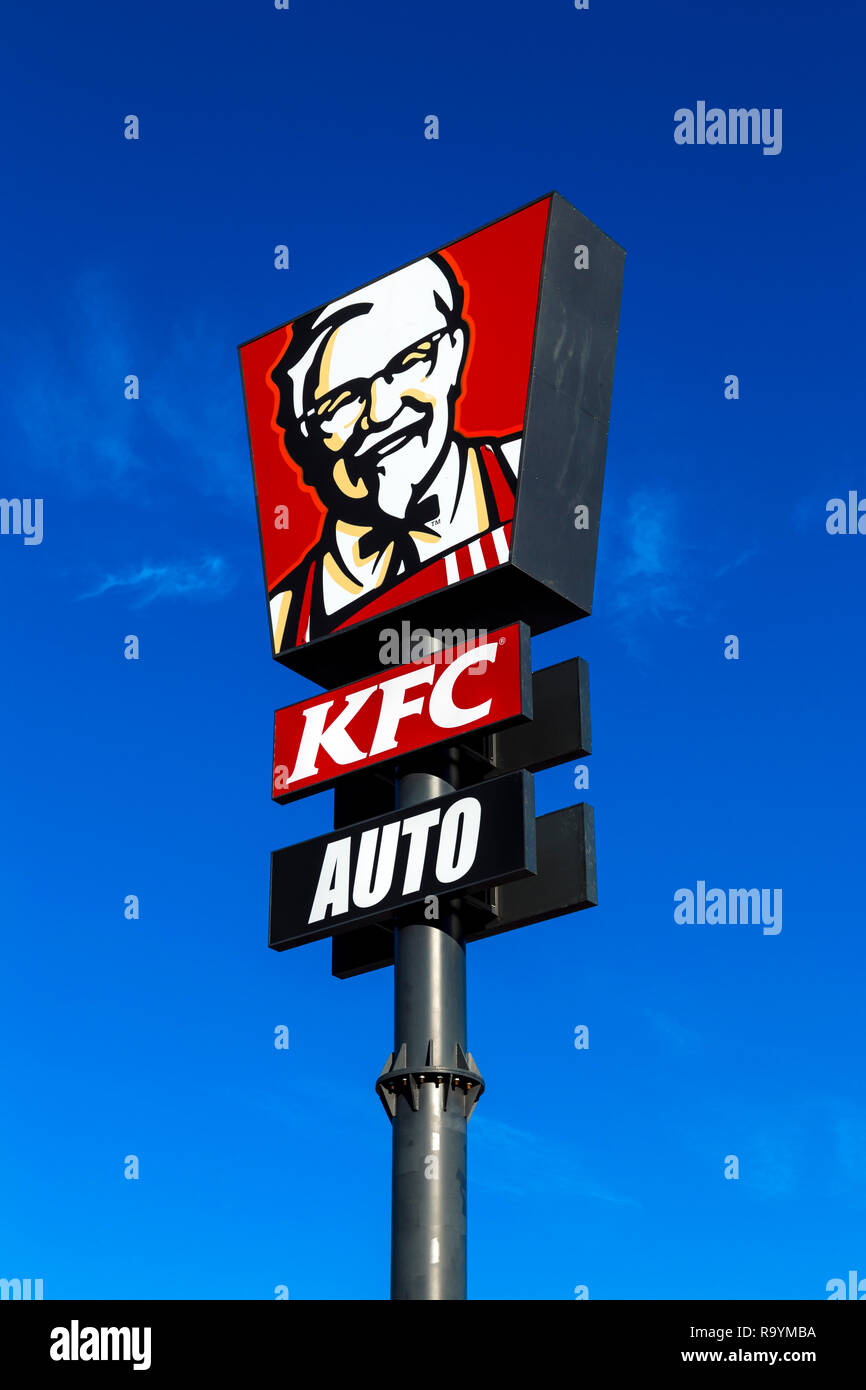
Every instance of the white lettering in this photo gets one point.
(395, 707)
(462, 822)
(417, 828)
(334, 740)
(366, 892)
(332, 890)
(443, 710)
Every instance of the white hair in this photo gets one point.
(402, 296)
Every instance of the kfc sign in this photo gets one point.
(458, 691)
(442, 428)
(445, 846)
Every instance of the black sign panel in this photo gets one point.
(467, 839)
(560, 727)
(565, 881)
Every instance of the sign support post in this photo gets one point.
(429, 1086)
(431, 447)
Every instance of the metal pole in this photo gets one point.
(429, 1086)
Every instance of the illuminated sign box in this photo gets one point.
(432, 444)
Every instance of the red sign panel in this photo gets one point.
(471, 686)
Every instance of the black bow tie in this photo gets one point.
(394, 530)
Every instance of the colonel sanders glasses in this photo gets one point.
(339, 410)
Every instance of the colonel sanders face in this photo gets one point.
(368, 387)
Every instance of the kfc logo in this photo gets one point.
(393, 432)
(368, 388)
(380, 719)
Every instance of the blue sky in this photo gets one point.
(154, 1037)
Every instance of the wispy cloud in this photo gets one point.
(196, 402)
(668, 1028)
(653, 568)
(66, 394)
(736, 561)
(207, 580)
(647, 560)
(517, 1161)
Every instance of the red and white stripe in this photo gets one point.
(484, 553)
